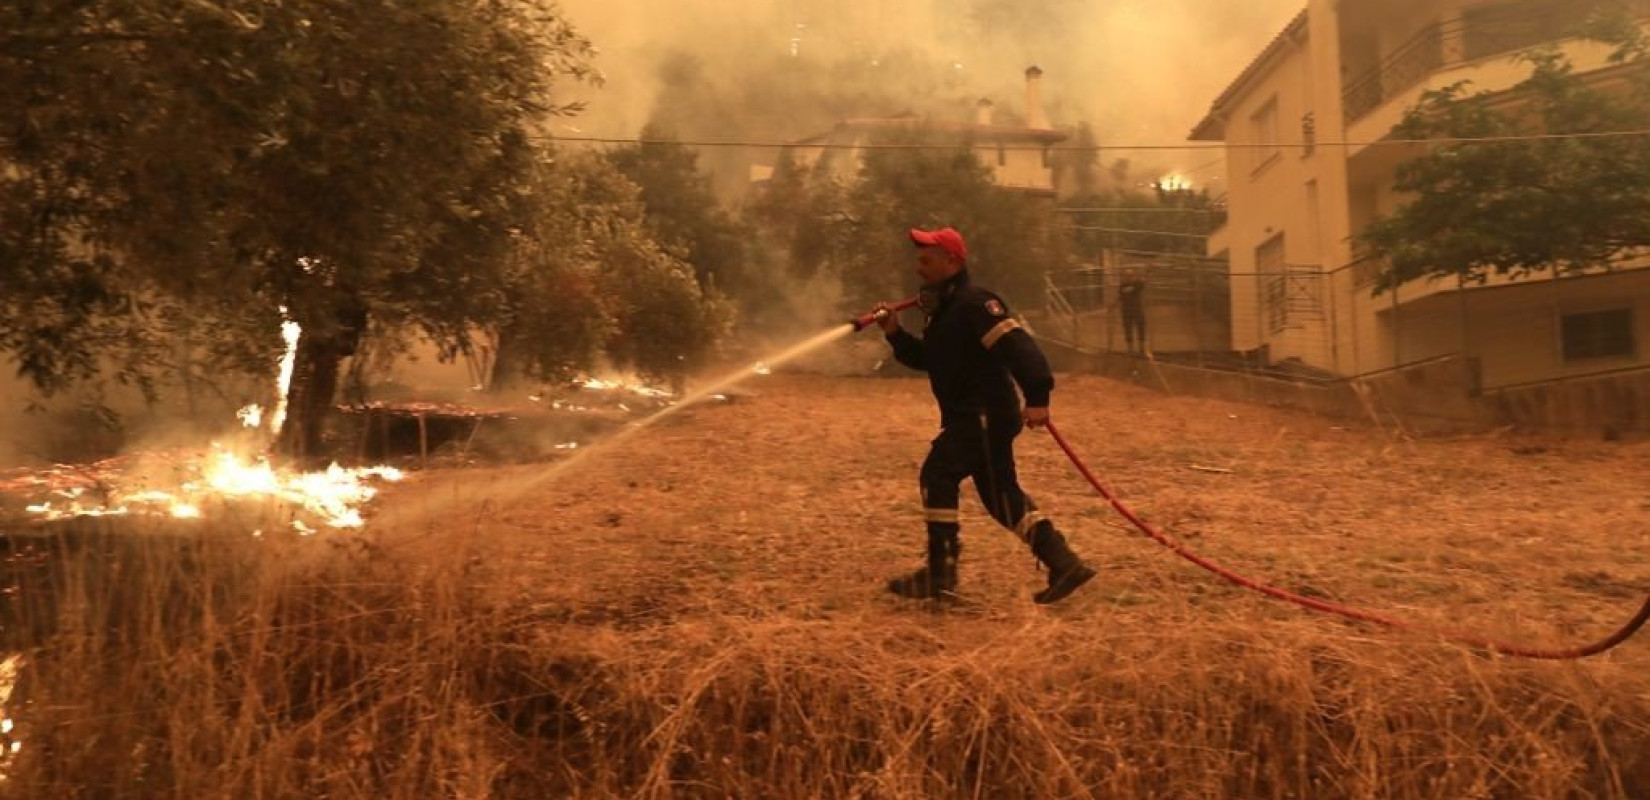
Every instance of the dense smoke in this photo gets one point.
(1138, 71)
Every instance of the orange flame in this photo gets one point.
(290, 332)
(634, 386)
(333, 496)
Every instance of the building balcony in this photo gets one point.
(1473, 46)
(1366, 271)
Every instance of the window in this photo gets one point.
(1597, 334)
(1309, 134)
(1263, 129)
(1273, 277)
(1002, 154)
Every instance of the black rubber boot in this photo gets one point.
(938, 578)
(1066, 572)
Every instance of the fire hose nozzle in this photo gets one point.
(864, 321)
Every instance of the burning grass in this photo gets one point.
(185, 485)
(699, 616)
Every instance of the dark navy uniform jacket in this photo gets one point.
(974, 352)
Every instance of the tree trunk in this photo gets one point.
(509, 361)
(325, 340)
(309, 400)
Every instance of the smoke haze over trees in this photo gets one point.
(181, 175)
(855, 234)
(1139, 71)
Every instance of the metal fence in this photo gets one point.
(1186, 302)
(1305, 323)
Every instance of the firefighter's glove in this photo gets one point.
(887, 318)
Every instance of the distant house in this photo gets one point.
(1343, 73)
(1018, 155)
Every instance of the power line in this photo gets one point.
(1131, 230)
(1139, 209)
(1206, 165)
(753, 144)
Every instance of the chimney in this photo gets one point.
(1035, 118)
(983, 112)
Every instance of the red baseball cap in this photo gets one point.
(946, 239)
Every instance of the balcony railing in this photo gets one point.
(1479, 33)
(1291, 297)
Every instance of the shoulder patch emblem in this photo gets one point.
(995, 308)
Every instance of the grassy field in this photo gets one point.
(698, 613)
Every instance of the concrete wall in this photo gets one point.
(1330, 399)
(1608, 405)
(1433, 397)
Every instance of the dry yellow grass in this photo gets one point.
(699, 614)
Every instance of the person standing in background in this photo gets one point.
(1131, 298)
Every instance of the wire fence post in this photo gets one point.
(1466, 321)
(1355, 294)
(1259, 283)
(1397, 343)
(1198, 343)
(1108, 258)
(1335, 321)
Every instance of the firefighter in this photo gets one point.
(974, 352)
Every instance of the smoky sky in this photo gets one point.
(1138, 71)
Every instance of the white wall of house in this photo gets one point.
(1519, 332)
(1018, 164)
(1275, 198)
(1317, 200)
(1015, 161)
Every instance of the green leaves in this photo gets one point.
(204, 148)
(589, 280)
(1514, 207)
(683, 211)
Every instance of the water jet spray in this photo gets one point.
(508, 492)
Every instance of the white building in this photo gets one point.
(1018, 154)
(1343, 73)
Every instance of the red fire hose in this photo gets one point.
(1621, 634)
(863, 321)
